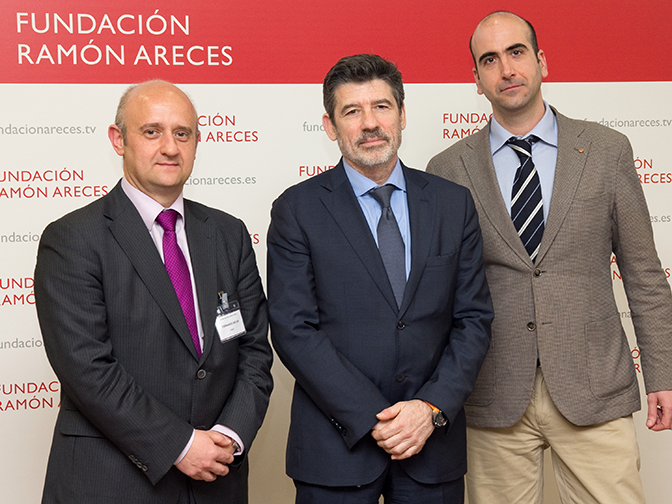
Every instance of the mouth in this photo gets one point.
(372, 143)
(510, 87)
(372, 140)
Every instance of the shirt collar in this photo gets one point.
(149, 208)
(362, 185)
(546, 130)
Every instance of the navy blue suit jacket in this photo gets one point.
(336, 326)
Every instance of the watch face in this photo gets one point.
(440, 419)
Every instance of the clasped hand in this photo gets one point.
(208, 456)
(403, 428)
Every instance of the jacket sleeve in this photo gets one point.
(246, 406)
(646, 287)
(472, 313)
(72, 313)
(343, 393)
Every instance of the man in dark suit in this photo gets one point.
(559, 371)
(384, 339)
(157, 404)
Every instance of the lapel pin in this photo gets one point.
(581, 150)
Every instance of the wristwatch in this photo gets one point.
(438, 418)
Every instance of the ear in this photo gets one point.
(477, 80)
(542, 62)
(329, 127)
(116, 139)
(402, 116)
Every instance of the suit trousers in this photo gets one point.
(394, 485)
(593, 464)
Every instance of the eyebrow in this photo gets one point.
(347, 106)
(508, 49)
(160, 126)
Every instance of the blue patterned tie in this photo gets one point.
(527, 209)
(390, 243)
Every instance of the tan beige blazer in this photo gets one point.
(562, 308)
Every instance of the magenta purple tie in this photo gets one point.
(178, 271)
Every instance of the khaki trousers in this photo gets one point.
(594, 464)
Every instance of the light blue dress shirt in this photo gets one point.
(371, 208)
(544, 156)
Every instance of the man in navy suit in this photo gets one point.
(384, 341)
(153, 409)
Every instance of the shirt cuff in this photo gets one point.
(186, 448)
(222, 430)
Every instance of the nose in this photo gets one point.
(507, 68)
(369, 120)
(169, 145)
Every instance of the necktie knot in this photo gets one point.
(167, 220)
(522, 146)
(383, 195)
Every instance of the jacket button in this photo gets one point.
(400, 377)
(531, 326)
(339, 427)
(537, 272)
(201, 374)
(401, 325)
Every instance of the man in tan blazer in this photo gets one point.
(559, 372)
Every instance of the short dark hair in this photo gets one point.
(361, 68)
(532, 34)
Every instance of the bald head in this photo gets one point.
(492, 20)
(508, 70)
(156, 133)
(149, 90)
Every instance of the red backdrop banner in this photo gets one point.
(263, 41)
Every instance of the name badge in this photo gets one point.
(229, 321)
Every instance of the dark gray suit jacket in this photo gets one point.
(336, 326)
(563, 308)
(133, 387)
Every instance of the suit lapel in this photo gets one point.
(486, 191)
(342, 204)
(203, 251)
(572, 156)
(130, 232)
(421, 212)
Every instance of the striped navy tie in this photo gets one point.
(527, 209)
